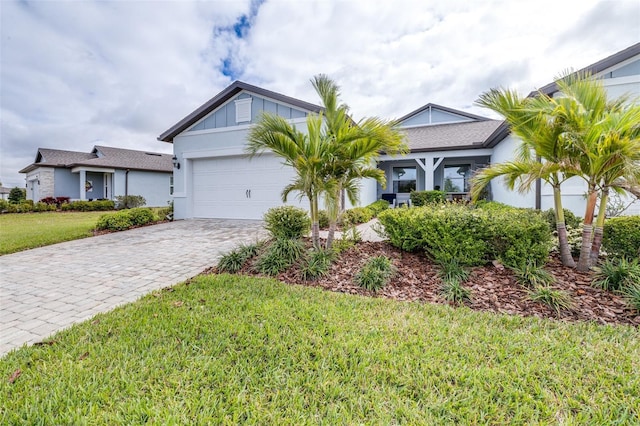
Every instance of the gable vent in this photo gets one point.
(243, 110)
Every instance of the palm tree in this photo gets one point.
(356, 146)
(306, 153)
(540, 156)
(604, 137)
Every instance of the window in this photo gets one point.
(404, 179)
(456, 177)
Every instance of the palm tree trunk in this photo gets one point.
(315, 225)
(599, 229)
(563, 241)
(584, 262)
(333, 211)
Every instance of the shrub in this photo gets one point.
(558, 300)
(4, 206)
(376, 273)
(317, 264)
(422, 198)
(348, 239)
(129, 201)
(234, 261)
(622, 237)
(453, 291)
(17, 195)
(287, 222)
(125, 219)
(87, 206)
(471, 236)
(616, 274)
(118, 221)
(356, 216)
(323, 219)
(48, 200)
(43, 207)
(631, 295)
(378, 206)
(570, 219)
(279, 256)
(531, 275)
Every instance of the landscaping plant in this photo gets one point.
(616, 274)
(233, 261)
(631, 294)
(556, 299)
(279, 255)
(287, 222)
(317, 264)
(454, 291)
(531, 275)
(422, 198)
(452, 270)
(376, 273)
(622, 237)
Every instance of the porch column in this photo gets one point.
(427, 165)
(83, 180)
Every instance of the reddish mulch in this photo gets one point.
(493, 288)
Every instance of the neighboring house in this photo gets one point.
(4, 193)
(446, 146)
(103, 173)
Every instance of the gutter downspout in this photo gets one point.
(126, 189)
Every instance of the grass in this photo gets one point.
(231, 349)
(24, 231)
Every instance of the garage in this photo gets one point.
(238, 188)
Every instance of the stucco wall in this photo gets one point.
(67, 183)
(153, 186)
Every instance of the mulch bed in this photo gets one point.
(493, 287)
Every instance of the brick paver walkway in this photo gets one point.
(50, 288)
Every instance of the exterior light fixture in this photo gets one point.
(176, 164)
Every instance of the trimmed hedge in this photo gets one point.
(287, 222)
(356, 216)
(26, 206)
(125, 219)
(622, 237)
(423, 198)
(470, 236)
(88, 206)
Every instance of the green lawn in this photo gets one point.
(231, 349)
(22, 231)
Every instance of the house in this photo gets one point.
(103, 173)
(446, 146)
(4, 193)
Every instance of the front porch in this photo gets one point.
(448, 171)
(95, 182)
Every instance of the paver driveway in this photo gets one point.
(49, 288)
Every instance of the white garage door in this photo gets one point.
(239, 188)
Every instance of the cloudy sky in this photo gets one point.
(118, 73)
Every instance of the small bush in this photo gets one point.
(323, 219)
(348, 239)
(453, 270)
(631, 295)
(118, 221)
(279, 256)
(356, 215)
(287, 222)
(531, 275)
(558, 300)
(376, 273)
(622, 237)
(129, 201)
(125, 219)
(422, 198)
(43, 207)
(88, 206)
(4, 206)
(453, 291)
(616, 274)
(317, 264)
(378, 206)
(234, 261)
(570, 219)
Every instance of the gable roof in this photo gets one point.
(103, 156)
(450, 136)
(443, 108)
(222, 97)
(595, 68)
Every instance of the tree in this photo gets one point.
(306, 153)
(355, 147)
(332, 157)
(541, 154)
(603, 136)
(17, 195)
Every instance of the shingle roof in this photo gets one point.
(451, 136)
(116, 158)
(222, 97)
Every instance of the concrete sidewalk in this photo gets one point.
(50, 288)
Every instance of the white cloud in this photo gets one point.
(123, 72)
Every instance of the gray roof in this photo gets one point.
(442, 137)
(103, 156)
(4, 190)
(222, 97)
